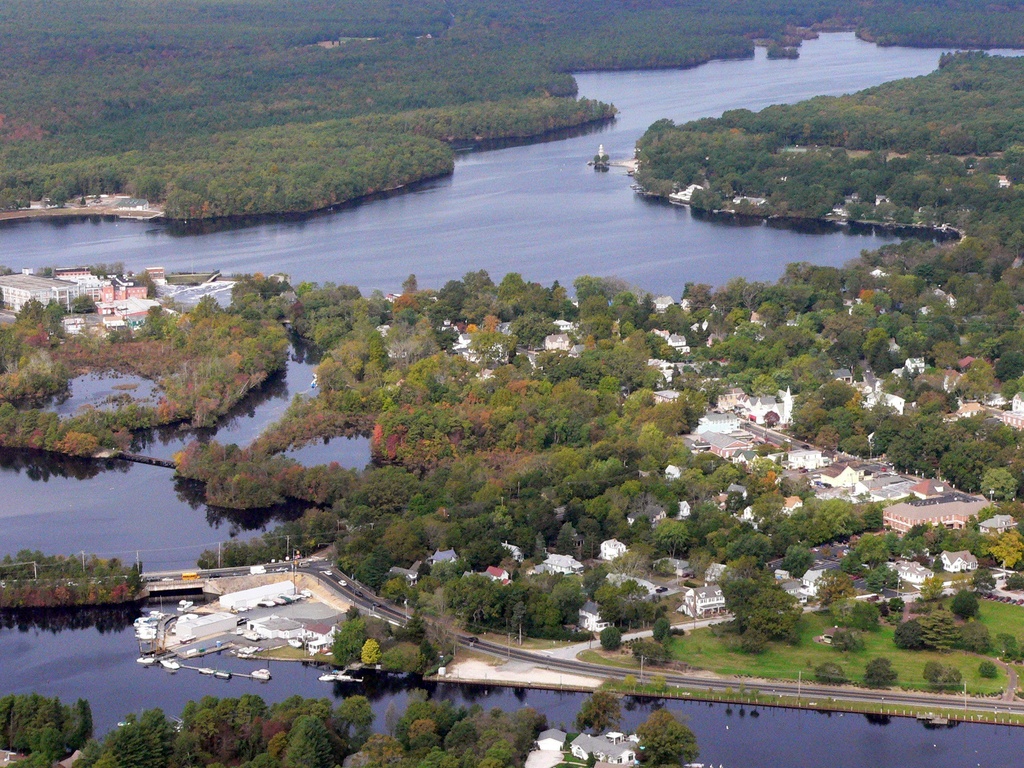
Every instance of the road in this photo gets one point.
(362, 596)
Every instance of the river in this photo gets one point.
(536, 209)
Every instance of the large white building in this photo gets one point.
(195, 627)
(17, 290)
(250, 598)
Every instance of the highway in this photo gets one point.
(363, 597)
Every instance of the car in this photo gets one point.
(343, 582)
(472, 640)
(328, 573)
(659, 590)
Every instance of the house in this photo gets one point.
(122, 288)
(678, 343)
(275, 627)
(662, 303)
(67, 762)
(768, 410)
(727, 446)
(612, 548)
(443, 556)
(806, 458)
(958, 562)
(684, 510)
(967, 411)
(914, 366)
(843, 374)
(953, 510)
(911, 573)
(722, 423)
(653, 513)
(714, 573)
(683, 197)
(319, 637)
(494, 573)
(837, 476)
(590, 618)
(884, 487)
(809, 581)
(10, 758)
(739, 490)
(680, 568)
(672, 472)
(565, 564)
(410, 574)
(551, 740)
(997, 524)
(73, 325)
(515, 552)
(1013, 419)
(665, 396)
(612, 748)
(699, 602)
(791, 504)
(731, 398)
(927, 489)
(557, 342)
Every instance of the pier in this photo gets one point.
(138, 458)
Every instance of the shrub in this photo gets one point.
(941, 676)
(829, 673)
(662, 630)
(988, 670)
(974, 637)
(611, 638)
(1015, 581)
(965, 604)
(879, 673)
(908, 636)
(847, 640)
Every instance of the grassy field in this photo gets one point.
(721, 654)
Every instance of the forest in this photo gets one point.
(943, 149)
(216, 108)
(34, 580)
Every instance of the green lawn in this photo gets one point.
(702, 649)
(1002, 618)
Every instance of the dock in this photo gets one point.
(138, 458)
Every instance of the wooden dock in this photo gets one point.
(138, 458)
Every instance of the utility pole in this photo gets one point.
(641, 669)
(218, 554)
(965, 695)
(83, 561)
(799, 680)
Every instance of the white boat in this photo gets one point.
(329, 677)
(261, 674)
(222, 674)
(170, 664)
(146, 661)
(345, 677)
(205, 671)
(295, 643)
(145, 633)
(184, 605)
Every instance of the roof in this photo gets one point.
(35, 283)
(938, 506)
(998, 521)
(443, 556)
(278, 624)
(591, 607)
(591, 744)
(962, 554)
(551, 733)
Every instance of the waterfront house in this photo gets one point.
(275, 627)
(590, 618)
(958, 562)
(551, 740)
(612, 748)
(319, 637)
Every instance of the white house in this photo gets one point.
(914, 366)
(672, 472)
(703, 601)
(997, 524)
(274, 627)
(565, 564)
(443, 556)
(678, 343)
(720, 423)
(590, 617)
(806, 458)
(319, 637)
(714, 573)
(810, 581)
(551, 740)
(662, 303)
(665, 396)
(911, 573)
(684, 510)
(557, 342)
(514, 551)
(613, 748)
(958, 562)
(612, 548)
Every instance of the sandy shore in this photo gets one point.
(517, 672)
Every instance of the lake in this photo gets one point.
(536, 209)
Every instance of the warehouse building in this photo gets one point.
(17, 290)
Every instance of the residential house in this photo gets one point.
(737, 489)
(684, 510)
(590, 618)
(809, 581)
(914, 366)
(794, 588)
(997, 524)
(662, 303)
(843, 374)
(884, 487)
(494, 573)
(672, 472)
(551, 740)
(911, 573)
(958, 562)
(731, 398)
(714, 573)
(514, 551)
(653, 513)
(806, 458)
(678, 343)
(727, 446)
(276, 628)
(612, 548)
(837, 476)
(953, 510)
(318, 637)
(967, 411)
(410, 574)
(565, 564)
(680, 568)
(927, 489)
(443, 556)
(557, 342)
(721, 423)
(684, 196)
(699, 602)
(665, 396)
(612, 748)
(791, 504)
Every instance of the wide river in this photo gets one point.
(535, 209)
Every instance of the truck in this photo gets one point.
(189, 576)
(257, 570)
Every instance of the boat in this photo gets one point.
(170, 665)
(184, 605)
(295, 643)
(261, 674)
(328, 677)
(222, 674)
(205, 671)
(145, 633)
(345, 677)
(146, 661)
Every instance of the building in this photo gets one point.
(911, 573)
(276, 628)
(928, 489)
(319, 637)
(672, 472)
(514, 552)
(678, 343)
(809, 581)
(699, 602)
(791, 504)
(612, 548)
(958, 562)
(121, 288)
(250, 598)
(997, 524)
(551, 740)
(679, 568)
(653, 513)
(443, 556)
(120, 313)
(88, 284)
(837, 476)
(495, 573)
(612, 748)
(18, 290)
(727, 446)
(410, 574)
(188, 629)
(557, 342)
(806, 458)
(684, 510)
(590, 618)
(662, 303)
(1013, 419)
(722, 423)
(953, 510)
(565, 564)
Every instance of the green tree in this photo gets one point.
(662, 630)
(309, 744)
(932, 589)
(1008, 548)
(664, 740)
(908, 636)
(965, 604)
(829, 673)
(611, 638)
(349, 640)
(988, 669)
(599, 713)
(938, 630)
(999, 483)
(879, 673)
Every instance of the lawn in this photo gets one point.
(1001, 618)
(703, 650)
